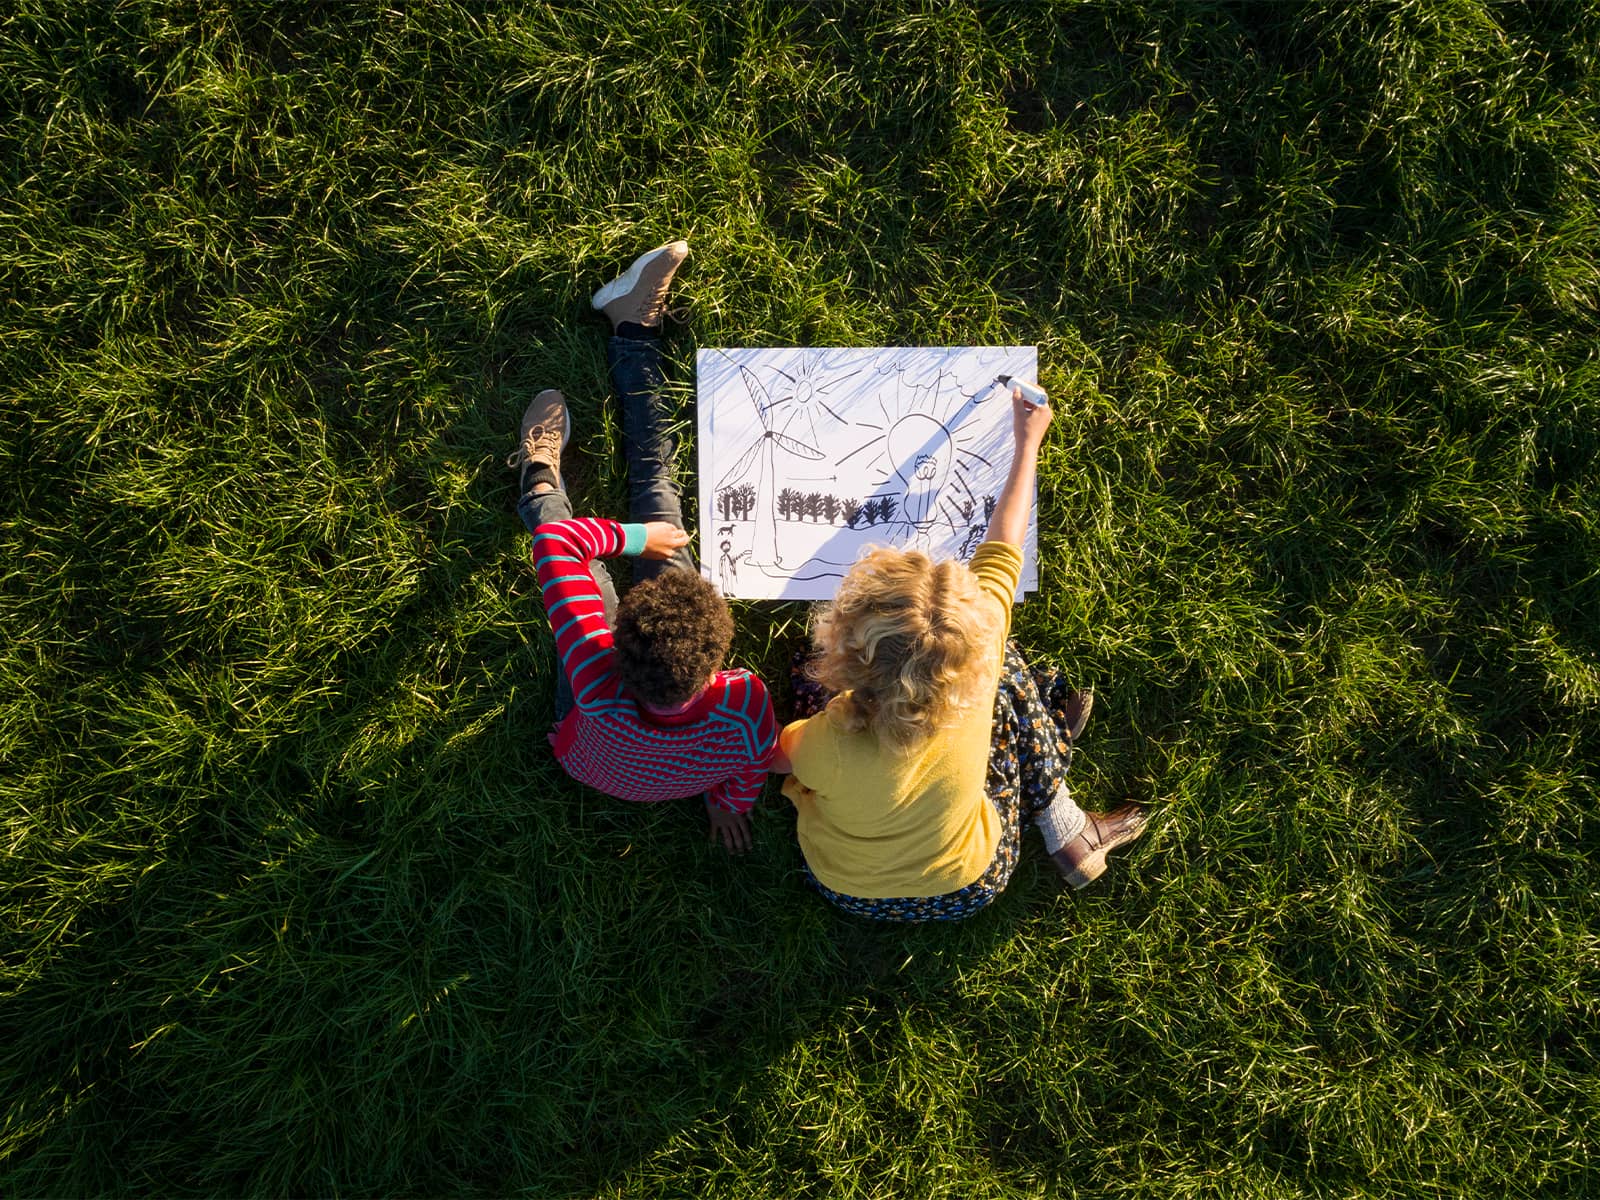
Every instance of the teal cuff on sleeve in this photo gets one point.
(633, 539)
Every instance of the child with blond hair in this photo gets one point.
(912, 783)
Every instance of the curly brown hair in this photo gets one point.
(672, 632)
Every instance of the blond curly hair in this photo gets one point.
(905, 644)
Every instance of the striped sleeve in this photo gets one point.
(561, 554)
(747, 707)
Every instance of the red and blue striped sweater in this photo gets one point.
(720, 744)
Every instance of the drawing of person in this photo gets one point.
(728, 567)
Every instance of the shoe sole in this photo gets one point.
(1094, 865)
(1076, 730)
(629, 279)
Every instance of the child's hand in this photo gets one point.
(732, 828)
(1028, 421)
(661, 539)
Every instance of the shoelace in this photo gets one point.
(530, 445)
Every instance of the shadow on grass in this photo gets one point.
(352, 905)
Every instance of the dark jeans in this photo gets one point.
(652, 495)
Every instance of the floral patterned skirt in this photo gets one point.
(1028, 757)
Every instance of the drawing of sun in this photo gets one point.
(922, 447)
(805, 399)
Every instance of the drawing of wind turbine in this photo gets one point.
(760, 455)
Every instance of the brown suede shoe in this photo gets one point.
(639, 294)
(1083, 860)
(544, 435)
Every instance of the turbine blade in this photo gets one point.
(758, 394)
(799, 449)
(738, 469)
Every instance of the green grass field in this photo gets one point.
(295, 900)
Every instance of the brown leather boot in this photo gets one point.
(639, 294)
(1083, 860)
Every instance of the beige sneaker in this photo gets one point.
(639, 294)
(1083, 860)
(545, 431)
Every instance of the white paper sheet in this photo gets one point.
(806, 456)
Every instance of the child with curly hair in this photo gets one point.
(645, 711)
(912, 783)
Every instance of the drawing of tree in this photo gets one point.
(830, 508)
(786, 501)
(869, 513)
(725, 503)
(886, 507)
(747, 500)
(851, 511)
(988, 508)
(973, 540)
(813, 505)
(967, 509)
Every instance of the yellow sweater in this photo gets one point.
(876, 821)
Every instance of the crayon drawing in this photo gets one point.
(807, 456)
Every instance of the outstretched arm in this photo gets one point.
(562, 551)
(561, 554)
(1015, 504)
